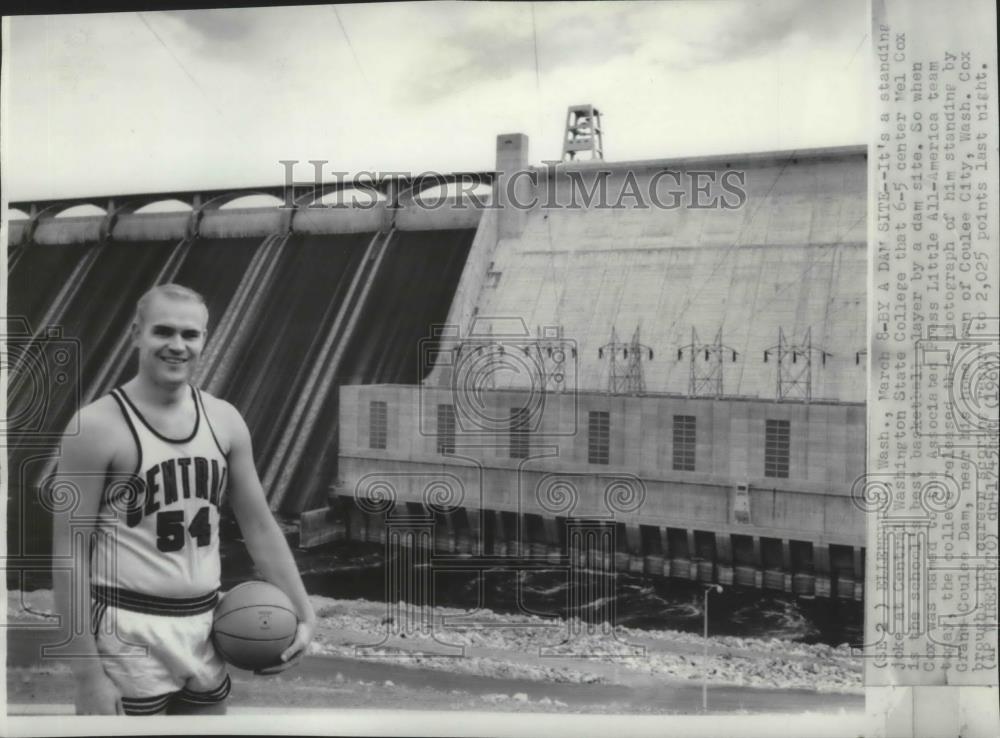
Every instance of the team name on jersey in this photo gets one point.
(174, 479)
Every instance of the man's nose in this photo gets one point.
(176, 344)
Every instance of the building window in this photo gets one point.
(684, 442)
(520, 444)
(378, 424)
(446, 429)
(776, 445)
(599, 425)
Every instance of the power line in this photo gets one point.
(851, 60)
(347, 38)
(173, 56)
(538, 82)
(534, 39)
(538, 110)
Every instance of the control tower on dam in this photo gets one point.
(673, 351)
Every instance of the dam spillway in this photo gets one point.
(293, 314)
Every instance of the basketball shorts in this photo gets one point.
(158, 651)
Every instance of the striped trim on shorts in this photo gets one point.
(153, 605)
(146, 705)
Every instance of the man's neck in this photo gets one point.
(150, 393)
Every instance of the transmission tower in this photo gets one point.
(707, 362)
(625, 375)
(795, 361)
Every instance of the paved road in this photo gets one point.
(24, 649)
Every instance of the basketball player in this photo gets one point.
(150, 462)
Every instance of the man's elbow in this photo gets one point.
(262, 529)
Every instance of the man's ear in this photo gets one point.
(135, 331)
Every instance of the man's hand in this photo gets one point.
(96, 694)
(294, 653)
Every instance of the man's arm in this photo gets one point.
(82, 464)
(265, 541)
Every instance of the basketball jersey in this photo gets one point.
(164, 523)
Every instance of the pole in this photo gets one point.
(704, 657)
(704, 649)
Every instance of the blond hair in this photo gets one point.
(171, 290)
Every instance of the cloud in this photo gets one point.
(225, 26)
(493, 46)
(489, 43)
(758, 28)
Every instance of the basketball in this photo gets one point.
(253, 624)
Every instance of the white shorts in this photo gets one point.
(157, 660)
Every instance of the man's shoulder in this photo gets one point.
(101, 414)
(99, 424)
(221, 412)
(216, 406)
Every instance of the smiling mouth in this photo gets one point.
(175, 360)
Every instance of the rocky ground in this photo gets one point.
(362, 657)
(531, 647)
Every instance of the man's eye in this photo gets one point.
(162, 332)
(191, 335)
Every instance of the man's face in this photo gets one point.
(170, 340)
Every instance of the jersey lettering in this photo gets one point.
(161, 484)
(170, 530)
(151, 489)
(169, 483)
(201, 478)
(185, 482)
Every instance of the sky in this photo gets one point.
(158, 101)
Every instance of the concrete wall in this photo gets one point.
(477, 265)
(435, 214)
(341, 219)
(792, 257)
(151, 226)
(453, 213)
(812, 504)
(439, 214)
(15, 231)
(242, 223)
(84, 229)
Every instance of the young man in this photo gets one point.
(150, 464)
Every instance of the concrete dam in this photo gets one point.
(596, 387)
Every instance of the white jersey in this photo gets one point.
(162, 554)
